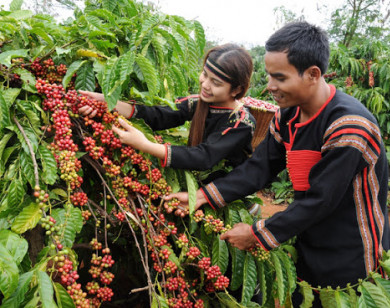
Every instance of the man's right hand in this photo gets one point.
(184, 200)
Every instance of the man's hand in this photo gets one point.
(240, 236)
(184, 201)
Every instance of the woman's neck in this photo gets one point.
(227, 104)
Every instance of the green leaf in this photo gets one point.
(6, 56)
(220, 254)
(227, 300)
(85, 79)
(281, 283)
(49, 165)
(172, 256)
(172, 180)
(28, 79)
(149, 74)
(290, 270)
(159, 302)
(16, 245)
(71, 70)
(9, 272)
(27, 109)
(334, 298)
(307, 293)
(250, 279)
(72, 223)
(27, 168)
(27, 219)
(125, 65)
(385, 265)
(40, 31)
(15, 5)
(238, 259)
(192, 187)
(266, 280)
(372, 296)
(16, 193)
(233, 215)
(45, 289)
(5, 119)
(62, 297)
(30, 135)
(199, 36)
(17, 296)
(3, 142)
(384, 284)
(246, 217)
(10, 95)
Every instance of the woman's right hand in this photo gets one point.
(87, 110)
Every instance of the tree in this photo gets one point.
(357, 20)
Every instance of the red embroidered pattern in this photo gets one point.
(299, 164)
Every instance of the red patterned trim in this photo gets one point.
(165, 160)
(354, 141)
(356, 121)
(215, 194)
(132, 111)
(207, 199)
(185, 98)
(242, 117)
(369, 206)
(357, 132)
(266, 234)
(258, 240)
(363, 224)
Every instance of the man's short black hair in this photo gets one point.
(305, 45)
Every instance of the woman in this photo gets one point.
(221, 128)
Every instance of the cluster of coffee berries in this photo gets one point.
(48, 223)
(216, 225)
(79, 198)
(330, 75)
(259, 253)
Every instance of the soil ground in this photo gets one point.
(269, 208)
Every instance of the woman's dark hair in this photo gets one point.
(305, 45)
(236, 62)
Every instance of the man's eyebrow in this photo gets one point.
(275, 75)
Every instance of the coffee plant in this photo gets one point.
(83, 221)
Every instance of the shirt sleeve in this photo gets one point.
(253, 174)
(164, 117)
(349, 155)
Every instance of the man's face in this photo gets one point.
(284, 82)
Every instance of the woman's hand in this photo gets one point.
(87, 110)
(130, 135)
(133, 137)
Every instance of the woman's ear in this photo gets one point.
(236, 91)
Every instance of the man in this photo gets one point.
(332, 148)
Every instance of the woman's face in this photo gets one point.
(214, 90)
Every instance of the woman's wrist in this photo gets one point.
(155, 149)
(124, 109)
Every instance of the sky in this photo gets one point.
(245, 22)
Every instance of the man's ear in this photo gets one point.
(313, 73)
